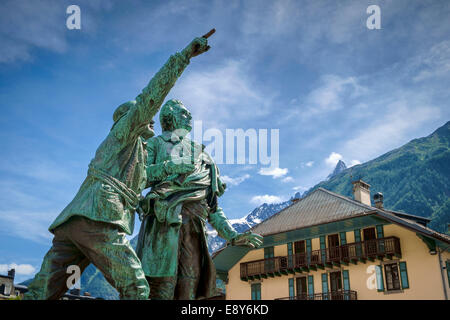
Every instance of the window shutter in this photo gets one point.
(290, 255)
(380, 282)
(343, 236)
(357, 233)
(291, 288)
(269, 265)
(404, 275)
(380, 234)
(256, 291)
(311, 287)
(308, 250)
(345, 276)
(447, 266)
(380, 231)
(325, 286)
(323, 249)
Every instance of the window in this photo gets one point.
(301, 287)
(256, 291)
(392, 277)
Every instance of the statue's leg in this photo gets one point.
(110, 251)
(162, 288)
(189, 261)
(50, 282)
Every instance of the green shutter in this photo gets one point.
(308, 250)
(447, 266)
(404, 275)
(380, 231)
(256, 291)
(269, 265)
(323, 249)
(325, 286)
(291, 288)
(357, 233)
(346, 279)
(290, 255)
(380, 234)
(380, 281)
(268, 252)
(311, 286)
(343, 236)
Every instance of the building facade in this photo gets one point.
(7, 287)
(329, 247)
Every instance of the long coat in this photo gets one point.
(159, 234)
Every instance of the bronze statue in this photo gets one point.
(185, 186)
(92, 228)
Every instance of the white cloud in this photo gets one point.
(258, 200)
(274, 172)
(28, 225)
(333, 159)
(309, 163)
(26, 25)
(330, 94)
(288, 179)
(435, 63)
(300, 188)
(354, 162)
(21, 269)
(234, 181)
(222, 96)
(391, 129)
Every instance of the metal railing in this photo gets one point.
(351, 252)
(333, 295)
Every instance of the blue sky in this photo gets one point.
(312, 69)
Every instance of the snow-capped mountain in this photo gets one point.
(258, 215)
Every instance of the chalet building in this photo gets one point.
(329, 247)
(9, 290)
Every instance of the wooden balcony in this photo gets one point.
(321, 259)
(333, 295)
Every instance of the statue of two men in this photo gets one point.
(93, 227)
(185, 183)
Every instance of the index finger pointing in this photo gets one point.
(210, 33)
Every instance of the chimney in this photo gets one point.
(378, 199)
(361, 192)
(12, 273)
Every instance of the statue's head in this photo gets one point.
(175, 116)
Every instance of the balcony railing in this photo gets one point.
(329, 257)
(333, 295)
